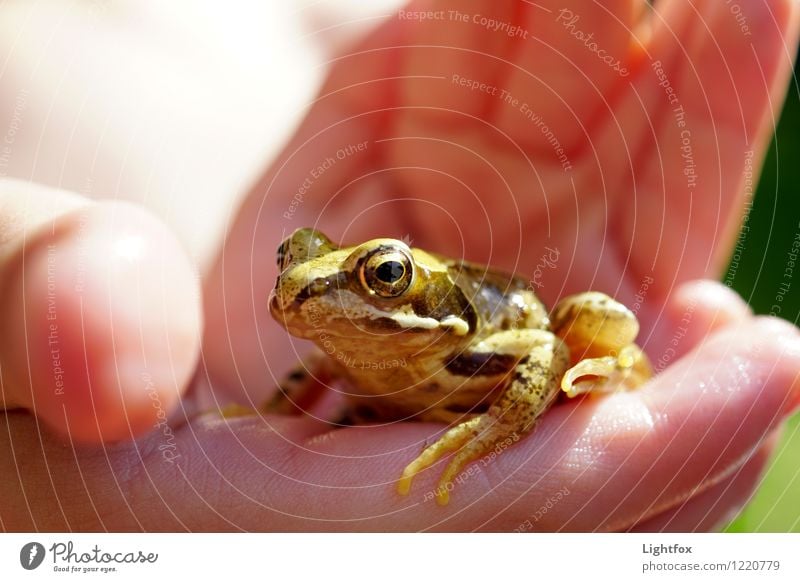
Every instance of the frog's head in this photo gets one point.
(379, 290)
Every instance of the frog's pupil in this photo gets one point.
(390, 271)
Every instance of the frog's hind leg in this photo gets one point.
(600, 333)
(531, 390)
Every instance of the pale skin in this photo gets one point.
(676, 454)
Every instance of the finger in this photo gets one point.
(591, 45)
(705, 103)
(503, 98)
(486, 59)
(446, 42)
(100, 312)
(717, 506)
(694, 311)
(616, 460)
(695, 423)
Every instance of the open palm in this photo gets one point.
(585, 145)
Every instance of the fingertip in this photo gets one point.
(777, 327)
(785, 350)
(757, 361)
(706, 306)
(688, 428)
(778, 346)
(104, 323)
(693, 312)
(719, 300)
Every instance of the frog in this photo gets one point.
(419, 336)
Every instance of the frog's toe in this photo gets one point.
(237, 411)
(473, 451)
(588, 375)
(450, 441)
(494, 436)
(607, 374)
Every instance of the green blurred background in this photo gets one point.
(773, 223)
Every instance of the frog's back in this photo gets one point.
(501, 301)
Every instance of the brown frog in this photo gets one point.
(421, 336)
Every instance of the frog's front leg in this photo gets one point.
(303, 386)
(600, 334)
(541, 361)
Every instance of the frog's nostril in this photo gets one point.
(318, 286)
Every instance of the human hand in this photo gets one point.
(678, 454)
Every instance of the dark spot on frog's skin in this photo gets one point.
(353, 414)
(383, 324)
(345, 417)
(431, 387)
(386, 324)
(481, 364)
(364, 413)
(297, 375)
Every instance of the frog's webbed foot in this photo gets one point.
(532, 389)
(600, 333)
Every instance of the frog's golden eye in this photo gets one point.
(387, 272)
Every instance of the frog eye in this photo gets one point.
(387, 272)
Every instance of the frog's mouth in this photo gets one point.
(367, 323)
(274, 306)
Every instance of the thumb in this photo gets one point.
(99, 310)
